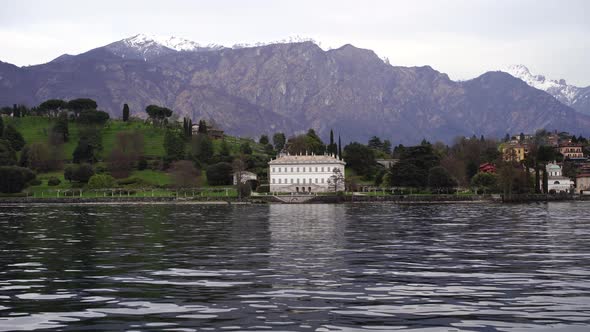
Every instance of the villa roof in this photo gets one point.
(306, 159)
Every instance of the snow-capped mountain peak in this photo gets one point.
(147, 47)
(557, 88)
(175, 43)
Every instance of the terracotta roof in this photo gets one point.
(306, 159)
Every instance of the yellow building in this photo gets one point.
(514, 152)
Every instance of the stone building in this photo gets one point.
(556, 182)
(306, 173)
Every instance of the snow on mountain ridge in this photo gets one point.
(559, 89)
(171, 42)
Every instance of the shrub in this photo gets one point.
(219, 174)
(14, 179)
(35, 182)
(53, 181)
(101, 181)
(142, 164)
(78, 173)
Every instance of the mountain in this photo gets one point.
(291, 87)
(573, 96)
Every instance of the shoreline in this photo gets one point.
(261, 200)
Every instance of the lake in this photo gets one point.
(348, 267)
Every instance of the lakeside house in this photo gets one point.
(306, 173)
(572, 151)
(556, 182)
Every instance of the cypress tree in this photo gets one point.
(331, 146)
(339, 148)
(1, 126)
(125, 112)
(190, 127)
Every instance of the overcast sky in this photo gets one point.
(462, 38)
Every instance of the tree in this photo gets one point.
(60, 128)
(78, 173)
(89, 145)
(93, 117)
(279, 140)
(263, 140)
(14, 137)
(440, 179)
(125, 112)
(43, 157)
(202, 127)
(386, 146)
(484, 181)
(413, 166)
(202, 149)
(81, 104)
(101, 181)
(1, 126)
(7, 154)
(375, 143)
(238, 167)
(545, 154)
(158, 114)
(245, 148)
(127, 151)
(309, 143)
(53, 106)
(336, 180)
(332, 148)
(360, 158)
(174, 145)
(219, 174)
(84, 152)
(184, 174)
(14, 179)
(339, 148)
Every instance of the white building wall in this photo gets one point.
(302, 175)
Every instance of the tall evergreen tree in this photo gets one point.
(125, 112)
(339, 148)
(1, 126)
(331, 148)
(190, 127)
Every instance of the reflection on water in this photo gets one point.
(374, 267)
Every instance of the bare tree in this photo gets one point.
(184, 174)
(336, 180)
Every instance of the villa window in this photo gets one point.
(273, 169)
(316, 180)
(279, 169)
(279, 181)
(303, 180)
(291, 169)
(273, 181)
(297, 169)
(316, 169)
(297, 181)
(291, 181)
(322, 180)
(322, 169)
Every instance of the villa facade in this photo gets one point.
(306, 173)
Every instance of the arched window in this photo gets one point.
(556, 182)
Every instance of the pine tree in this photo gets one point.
(125, 112)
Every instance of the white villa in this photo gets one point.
(556, 181)
(306, 173)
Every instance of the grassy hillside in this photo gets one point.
(36, 129)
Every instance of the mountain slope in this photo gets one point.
(573, 96)
(291, 87)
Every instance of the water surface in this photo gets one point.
(365, 267)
